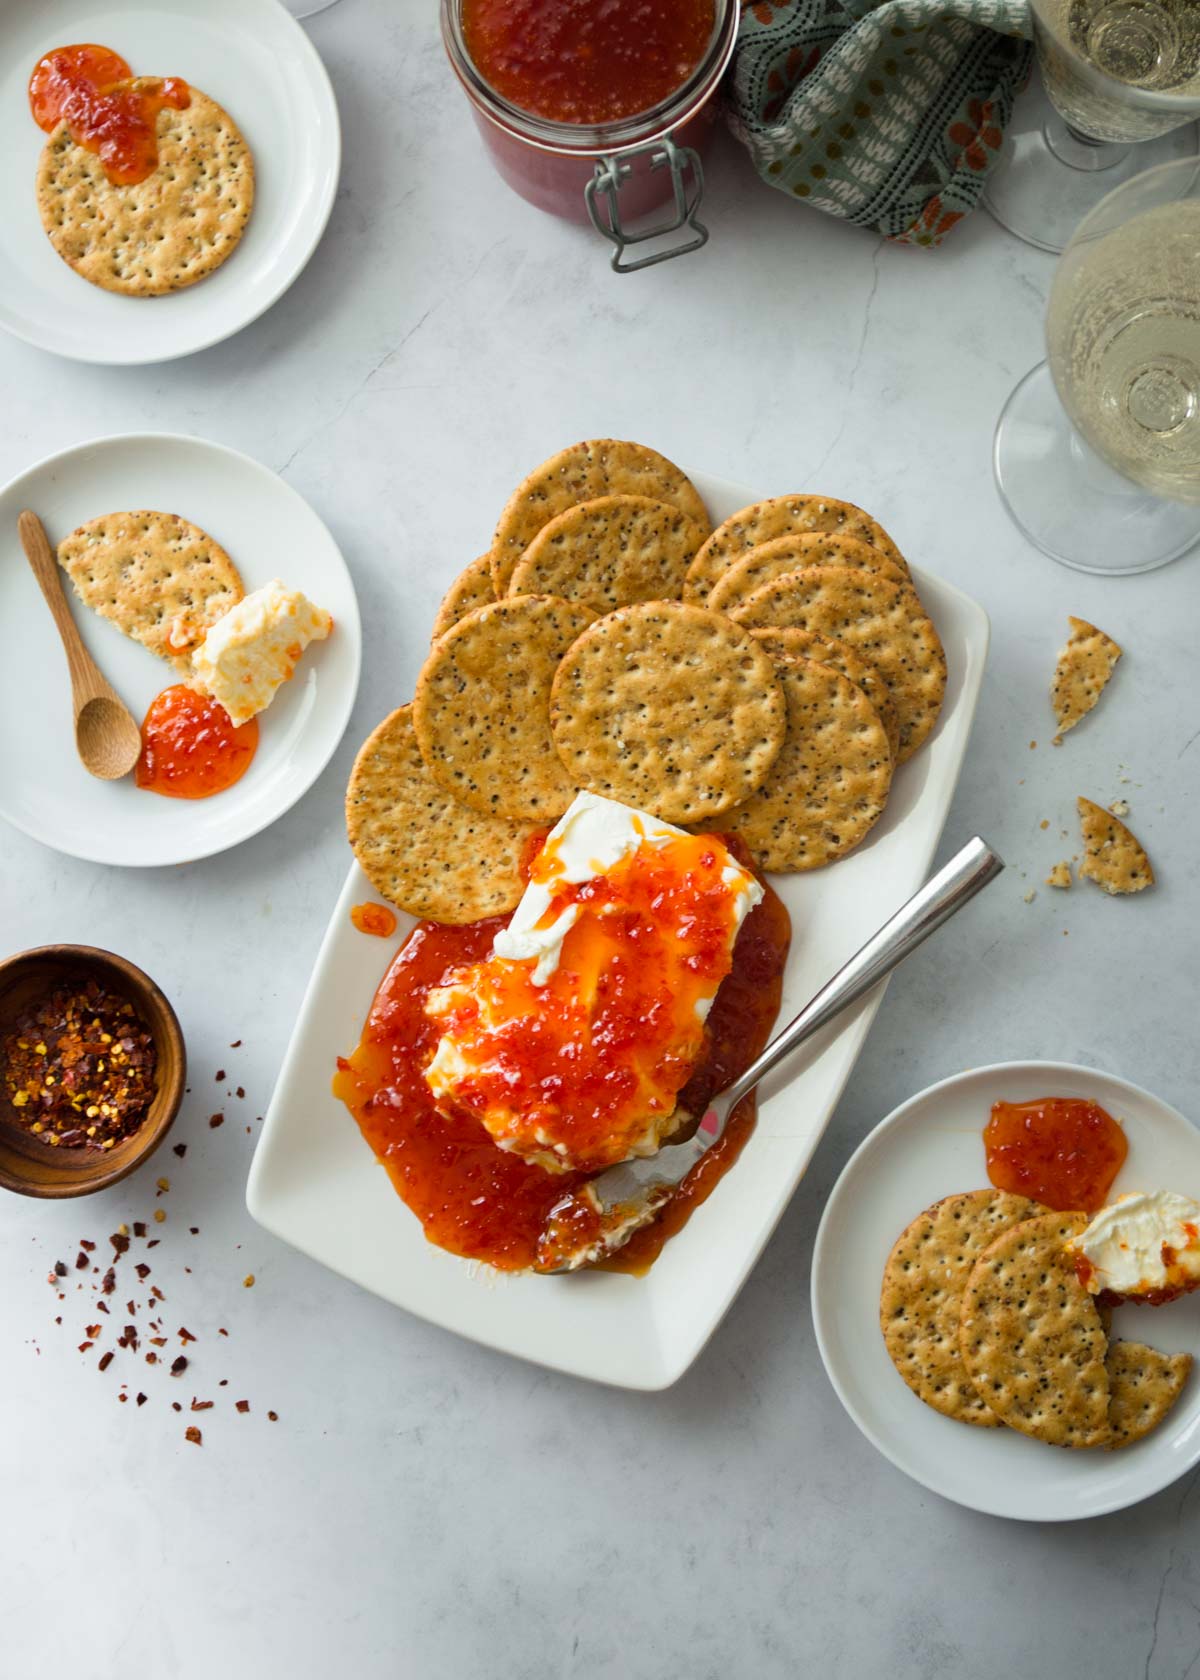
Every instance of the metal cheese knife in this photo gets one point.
(628, 1196)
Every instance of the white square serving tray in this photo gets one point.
(315, 1183)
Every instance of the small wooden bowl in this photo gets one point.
(30, 1167)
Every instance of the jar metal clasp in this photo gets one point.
(605, 186)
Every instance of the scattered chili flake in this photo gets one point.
(101, 1307)
(274, 1416)
(236, 1045)
(139, 1227)
(181, 1150)
(141, 1399)
(194, 1435)
(142, 1270)
(178, 1366)
(240, 1092)
(243, 1405)
(122, 1398)
(93, 1330)
(154, 1242)
(220, 1075)
(157, 1292)
(194, 1229)
(79, 1067)
(84, 1346)
(157, 1341)
(216, 1120)
(152, 1359)
(201, 1405)
(222, 1332)
(120, 1241)
(185, 1335)
(84, 1243)
(106, 1360)
(109, 1281)
(60, 1269)
(81, 1261)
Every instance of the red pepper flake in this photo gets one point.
(157, 1292)
(178, 1366)
(81, 1261)
(274, 1416)
(60, 1268)
(220, 1075)
(78, 1068)
(152, 1359)
(216, 1120)
(139, 1227)
(154, 1242)
(201, 1405)
(194, 1435)
(185, 1335)
(181, 1150)
(109, 1281)
(142, 1270)
(84, 1346)
(120, 1241)
(84, 1243)
(93, 1330)
(131, 1307)
(236, 1045)
(158, 1341)
(101, 1307)
(240, 1092)
(106, 1360)
(194, 1229)
(122, 1398)
(141, 1399)
(243, 1405)
(222, 1332)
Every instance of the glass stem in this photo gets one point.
(1080, 151)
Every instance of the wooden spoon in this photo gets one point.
(107, 737)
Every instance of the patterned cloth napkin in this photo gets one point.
(888, 113)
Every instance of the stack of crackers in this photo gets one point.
(764, 678)
(987, 1322)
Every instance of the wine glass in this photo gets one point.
(1123, 360)
(1120, 93)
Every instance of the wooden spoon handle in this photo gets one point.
(86, 679)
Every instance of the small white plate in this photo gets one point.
(250, 56)
(932, 1146)
(269, 531)
(315, 1183)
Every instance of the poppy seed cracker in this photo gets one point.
(781, 516)
(610, 552)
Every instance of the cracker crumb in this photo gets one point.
(1119, 807)
(1030, 896)
(1045, 823)
(1060, 875)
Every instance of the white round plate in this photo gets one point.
(932, 1146)
(250, 56)
(269, 531)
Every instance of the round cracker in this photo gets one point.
(1143, 1385)
(804, 644)
(1031, 1338)
(471, 588)
(596, 467)
(157, 577)
(830, 782)
(482, 707)
(770, 560)
(921, 1298)
(880, 619)
(609, 553)
(781, 516)
(668, 707)
(417, 845)
(161, 234)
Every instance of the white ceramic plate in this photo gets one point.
(315, 1183)
(269, 531)
(932, 1146)
(250, 56)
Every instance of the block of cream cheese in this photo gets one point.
(254, 648)
(1146, 1245)
(572, 1040)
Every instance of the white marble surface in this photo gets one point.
(422, 1507)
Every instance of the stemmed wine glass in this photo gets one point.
(1121, 82)
(1123, 361)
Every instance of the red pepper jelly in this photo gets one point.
(587, 62)
(190, 748)
(92, 90)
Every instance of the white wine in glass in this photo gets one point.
(1093, 440)
(1121, 81)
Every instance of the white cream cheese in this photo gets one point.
(1124, 1243)
(587, 841)
(253, 648)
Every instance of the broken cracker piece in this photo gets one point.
(1112, 858)
(1084, 666)
(1060, 875)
